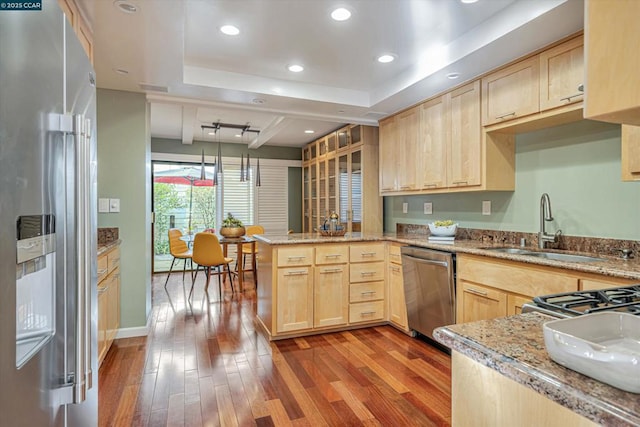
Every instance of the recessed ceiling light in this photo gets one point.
(453, 76)
(309, 131)
(258, 101)
(386, 58)
(125, 6)
(341, 14)
(211, 133)
(468, 1)
(237, 135)
(121, 71)
(230, 30)
(295, 68)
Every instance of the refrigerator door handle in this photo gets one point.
(83, 374)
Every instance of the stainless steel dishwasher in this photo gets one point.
(429, 288)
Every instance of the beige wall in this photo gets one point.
(124, 172)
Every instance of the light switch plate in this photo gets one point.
(486, 207)
(428, 208)
(103, 205)
(114, 205)
(405, 207)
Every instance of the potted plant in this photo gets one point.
(232, 227)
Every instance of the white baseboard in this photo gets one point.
(139, 331)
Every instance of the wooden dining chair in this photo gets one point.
(179, 250)
(207, 253)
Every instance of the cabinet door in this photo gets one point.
(397, 305)
(294, 298)
(388, 150)
(630, 137)
(102, 320)
(515, 303)
(331, 296)
(344, 193)
(611, 34)
(315, 216)
(113, 306)
(323, 199)
(465, 146)
(511, 93)
(476, 302)
(432, 144)
(561, 72)
(306, 199)
(408, 129)
(332, 190)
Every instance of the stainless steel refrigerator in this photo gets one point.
(48, 303)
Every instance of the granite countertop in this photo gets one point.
(610, 266)
(104, 247)
(514, 347)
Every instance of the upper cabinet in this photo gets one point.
(630, 153)
(562, 74)
(511, 92)
(338, 175)
(79, 25)
(441, 143)
(612, 85)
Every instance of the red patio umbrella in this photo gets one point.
(188, 175)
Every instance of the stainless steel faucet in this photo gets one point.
(546, 215)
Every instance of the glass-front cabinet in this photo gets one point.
(345, 181)
(306, 196)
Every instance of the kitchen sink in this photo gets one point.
(547, 255)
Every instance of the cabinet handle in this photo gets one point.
(331, 270)
(296, 273)
(103, 290)
(298, 257)
(333, 255)
(396, 269)
(459, 182)
(368, 293)
(367, 313)
(506, 115)
(367, 273)
(430, 185)
(477, 292)
(404, 187)
(101, 272)
(568, 98)
(365, 254)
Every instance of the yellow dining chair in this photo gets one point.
(179, 250)
(207, 253)
(250, 230)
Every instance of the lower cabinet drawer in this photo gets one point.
(366, 311)
(368, 291)
(366, 272)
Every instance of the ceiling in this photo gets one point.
(194, 75)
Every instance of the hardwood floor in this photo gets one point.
(204, 364)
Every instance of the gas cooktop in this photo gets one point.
(569, 304)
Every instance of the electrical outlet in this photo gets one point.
(103, 205)
(428, 208)
(405, 207)
(486, 207)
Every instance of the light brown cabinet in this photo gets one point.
(108, 265)
(397, 304)
(339, 180)
(630, 137)
(388, 153)
(79, 26)
(366, 271)
(431, 156)
(407, 130)
(562, 74)
(612, 86)
(464, 155)
(294, 299)
(478, 302)
(331, 286)
(511, 92)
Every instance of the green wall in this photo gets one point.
(577, 164)
(124, 172)
(295, 199)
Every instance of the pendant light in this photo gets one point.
(203, 174)
(248, 170)
(242, 177)
(258, 172)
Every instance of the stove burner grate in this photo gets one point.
(625, 299)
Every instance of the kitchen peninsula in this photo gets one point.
(355, 274)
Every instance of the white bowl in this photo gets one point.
(447, 231)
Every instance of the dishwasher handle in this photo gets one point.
(426, 261)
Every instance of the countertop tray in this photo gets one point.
(603, 346)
